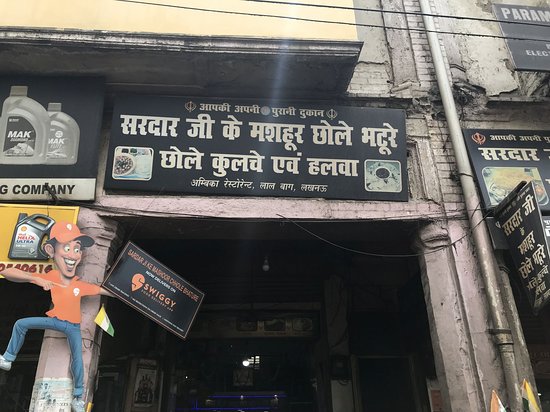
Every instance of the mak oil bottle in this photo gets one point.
(24, 127)
(29, 235)
(63, 138)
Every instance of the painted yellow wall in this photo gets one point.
(115, 15)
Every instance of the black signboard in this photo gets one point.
(49, 137)
(237, 147)
(531, 54)
(503, 158)
(520, 219)
(154, 290)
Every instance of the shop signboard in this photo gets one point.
(503, 158)
(151, 288)
(527, 32)
(24, 229)
(256, 148)
(521, 222)
(49, 137)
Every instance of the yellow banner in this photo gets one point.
(30, 223)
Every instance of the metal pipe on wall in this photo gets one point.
(480, 233)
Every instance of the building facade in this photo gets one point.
(350, 273)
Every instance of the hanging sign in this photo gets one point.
(151, 288)
(255, 148)
(520, 220)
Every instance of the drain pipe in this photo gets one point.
(483, 246)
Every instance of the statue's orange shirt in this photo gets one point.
(66, 300)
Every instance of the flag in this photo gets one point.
(103, 321)
(496, 404)
(528, 398)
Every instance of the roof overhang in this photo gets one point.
(194, 65)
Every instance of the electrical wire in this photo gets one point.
(405, 13)
(310, 20)
(382, 255)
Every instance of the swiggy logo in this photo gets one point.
(137, 281)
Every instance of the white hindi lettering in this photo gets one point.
(236, 162)
(283, 164)
(512, 223)
(527, 244)
(278, 132)
(215, 107)
(283, 111)
(333, 167)
(528, 205)
(332, 135)
(539, 255)
(175, 158)
(153, 125)
(201, 127)
(201, 181)
(248, 109)
(313, 188)
(383, 137)
(503, 153)
(311, 113)
(526, 267)
(267, 185)
(238, 184)
(231, 129)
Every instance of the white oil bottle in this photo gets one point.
(63, 138)
(24, 127)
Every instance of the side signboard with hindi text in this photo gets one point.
(257, 148)
(151, 288)
(504, 158)
(520, 219)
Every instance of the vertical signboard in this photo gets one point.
(528, 35)
(520, 219)
(49, 137)
(255, 148)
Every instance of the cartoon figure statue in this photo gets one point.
(65, 247)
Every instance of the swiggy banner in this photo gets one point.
(23, 231)
(154, 290)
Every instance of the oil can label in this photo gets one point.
(20, 139)
(25, 243)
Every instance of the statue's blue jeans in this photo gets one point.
(74, 337)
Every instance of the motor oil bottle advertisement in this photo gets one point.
(49, 137)
(24, 230)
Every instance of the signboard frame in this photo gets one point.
(251, 147)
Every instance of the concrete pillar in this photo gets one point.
(452, 344)
(53, 377)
